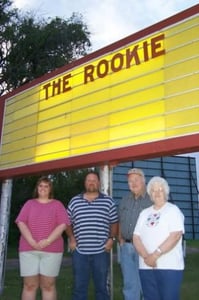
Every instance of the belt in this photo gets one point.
(128, 241)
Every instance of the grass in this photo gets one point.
(193, 243)
(190, 287)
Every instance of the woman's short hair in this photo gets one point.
(46, 180)
(161, 181)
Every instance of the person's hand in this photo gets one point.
(35, 245)
(72, 243)
(151, 259)
(44, 243)
(109, 245)
(121, 241)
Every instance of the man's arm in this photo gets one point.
(112, 235)
(72, 241)
(114, 230)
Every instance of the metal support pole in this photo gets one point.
(106, 187)
(4, 226)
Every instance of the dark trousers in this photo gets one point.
(161, 284)
(87, 266)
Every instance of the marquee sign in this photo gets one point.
(141, 91)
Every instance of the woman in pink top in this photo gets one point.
(41, 222)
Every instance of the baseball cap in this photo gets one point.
(136, 171)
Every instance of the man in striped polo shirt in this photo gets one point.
(94, 224)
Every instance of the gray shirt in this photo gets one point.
(129, 210)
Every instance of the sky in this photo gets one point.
(109, 20)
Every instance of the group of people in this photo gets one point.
(148, 228)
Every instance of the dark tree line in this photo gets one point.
(31, 46)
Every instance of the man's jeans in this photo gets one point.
(96, 265)
(129, 261)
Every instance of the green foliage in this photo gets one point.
(8, 16)
(6, 12)
(31, 47)
(67, 184)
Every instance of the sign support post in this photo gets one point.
(106, 187)
(4, 226)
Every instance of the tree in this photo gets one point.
(7, 17)
(40, 46)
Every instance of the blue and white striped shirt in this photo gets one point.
(91, 222)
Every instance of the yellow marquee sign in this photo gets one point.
(144, 91)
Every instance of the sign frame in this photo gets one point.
(175, 145)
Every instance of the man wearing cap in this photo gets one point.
(129, 209)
